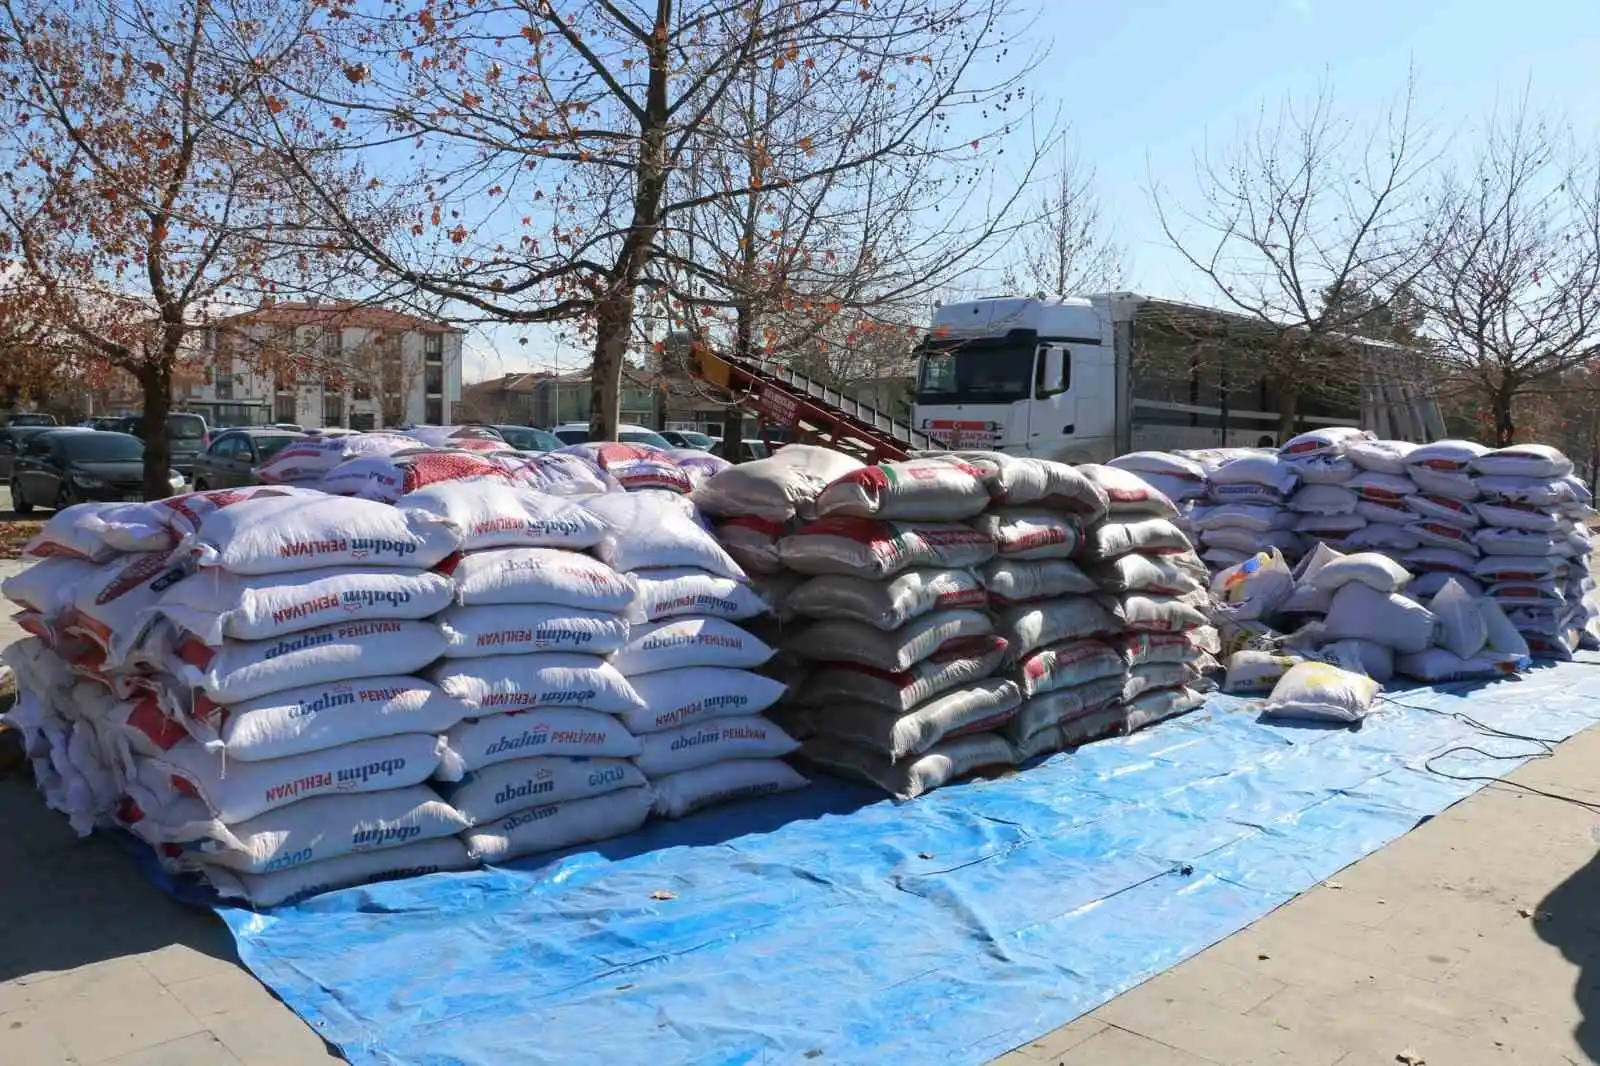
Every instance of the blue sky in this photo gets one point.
(1145, 83)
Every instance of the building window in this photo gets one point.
(330, 347)
(363, 421)
(224, 386)
(435, 412)
(360, 390)
(433, 380)
(332, 409)
(433, 347)
(283, 407)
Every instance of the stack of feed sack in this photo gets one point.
(899, 651)
(1152, 584)
(704, 737)
(284, 745)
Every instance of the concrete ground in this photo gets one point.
(1474, 939)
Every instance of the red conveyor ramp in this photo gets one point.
(783, 397)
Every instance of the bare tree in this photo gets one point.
(129, 205)
(1309, 225)
(533, 148)
(1066, 248)
(1513, 288)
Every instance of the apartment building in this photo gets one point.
(326, 364)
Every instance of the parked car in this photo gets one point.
(688, 438)
(752, 448)
(236, 455)
(61, 467)
(12, 440)
(32, 419)
(293, 427)
(528, 439)
(187, 437)
(578, 433)
(97, 423)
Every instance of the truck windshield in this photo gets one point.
(975, 374)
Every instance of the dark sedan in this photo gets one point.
(236, 455)
(187, 436)
(62, 467)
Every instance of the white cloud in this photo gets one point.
(1301, 8)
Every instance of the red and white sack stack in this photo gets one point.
(1153, 584)
(100, 569)
(703, 738)
(897, 647)
(539, 760)
(1044, 602)
(282, 746)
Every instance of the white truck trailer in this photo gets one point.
(1083, 379)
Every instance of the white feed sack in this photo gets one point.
(110, 606)
(529, 628)
(528, 682)
(541, 575)
(646, 530)
(559, 825)
(777, 488)
(491, 515)
(700, 744)
(236, 791)
(243, 670)
(214, 605)
(1179, 479)
(1029, 533)
(504, 788)
(679, 697)
(311, 459)
(1359, 611)
(281, 534)
(753, 543)
(298, 883)
(931, 490)
(1028, 627)
(477, 743)
(309, 831)
(679, 794)
(689, 641)
(1059, 707)
(671, 592)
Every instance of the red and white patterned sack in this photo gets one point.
(869, 548)
(387, 478)
(933, 490)
(636, 466)
(311, 459)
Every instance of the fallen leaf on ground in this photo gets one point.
(663, 895)
(1411, 1058)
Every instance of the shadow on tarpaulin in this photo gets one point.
(834, 926)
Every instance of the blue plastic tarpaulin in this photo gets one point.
(834, 926)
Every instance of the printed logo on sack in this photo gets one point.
(305, 608)
(288, 859)
(713, 735)
(697, 601)
(710, 705)
(368, 629)
(365, 599)
(566, 697)
(536, 737)
(667, 641)
(352, 776)
(534, 814)
(300, 786)
(611, 775)
(338, 696)
(299, 642)
(381, 835)
(524, 790)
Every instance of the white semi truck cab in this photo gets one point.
(1056, 378)
(1027, 376)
